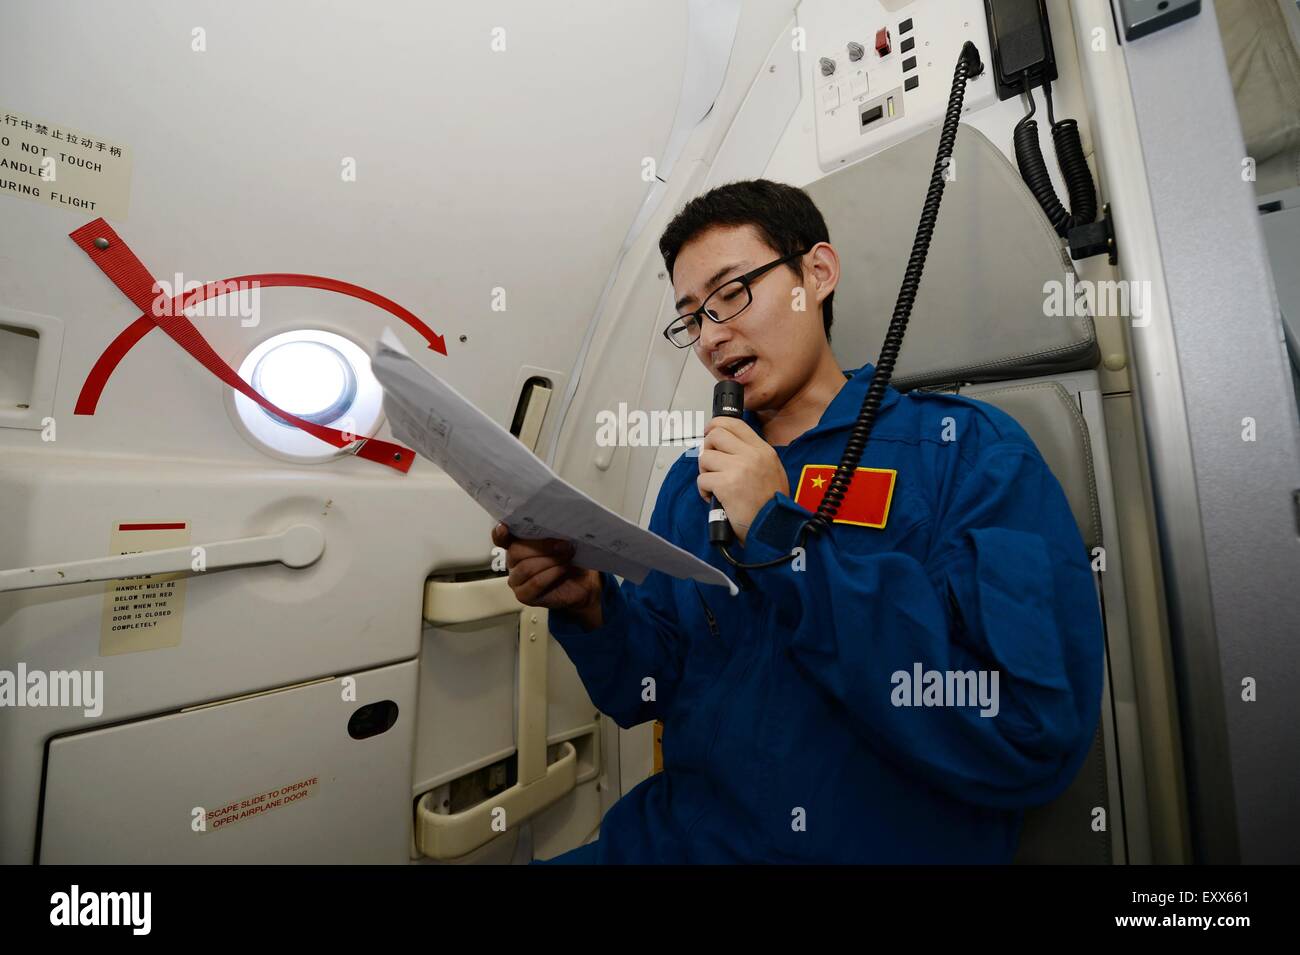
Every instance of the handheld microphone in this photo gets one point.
(728, 401)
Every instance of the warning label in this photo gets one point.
(59, 166)
(260, 804)
(144, 613)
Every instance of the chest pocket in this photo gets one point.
(905, 527)
(880, 508)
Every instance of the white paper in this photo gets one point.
(513, 484)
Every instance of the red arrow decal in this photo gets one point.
(107, 250)
(93, 387)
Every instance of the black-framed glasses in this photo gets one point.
(722, 304)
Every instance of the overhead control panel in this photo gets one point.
(881, 70)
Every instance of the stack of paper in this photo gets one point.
(513, 484)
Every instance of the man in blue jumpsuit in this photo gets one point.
(920, 675)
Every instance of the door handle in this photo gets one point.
(298, 546)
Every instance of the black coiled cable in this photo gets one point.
(1070, 159)
(969, 66)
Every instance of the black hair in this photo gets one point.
(783, 215)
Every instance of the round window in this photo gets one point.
(318, 376)
(305, 378)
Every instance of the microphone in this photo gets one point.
(728, 401)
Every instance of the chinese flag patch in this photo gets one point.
(866, 503)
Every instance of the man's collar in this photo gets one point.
(844, 407)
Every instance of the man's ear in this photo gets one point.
(824, 266)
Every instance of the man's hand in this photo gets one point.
(741, 469)
(542, 575)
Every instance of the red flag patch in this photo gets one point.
(865, 503)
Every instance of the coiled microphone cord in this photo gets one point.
(969, 66)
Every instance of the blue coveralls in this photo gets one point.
(782, 739)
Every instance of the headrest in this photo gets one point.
(981, 311)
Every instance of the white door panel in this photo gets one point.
(243, 629)
(278, 779)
